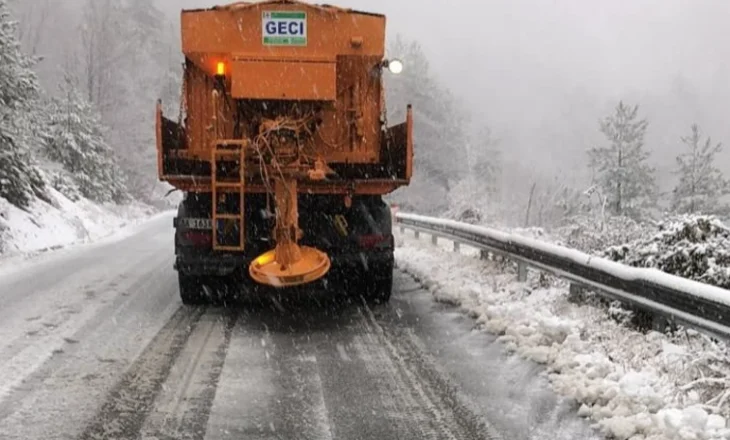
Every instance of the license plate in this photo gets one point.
(196, 223)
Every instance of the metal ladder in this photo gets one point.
(228, 151)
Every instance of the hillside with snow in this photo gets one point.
(69, 172)
(61, 222)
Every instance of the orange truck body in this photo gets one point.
(264, 54)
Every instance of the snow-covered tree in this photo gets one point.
(75, 139)
(701, 183)
(20, 180)
(621, 168)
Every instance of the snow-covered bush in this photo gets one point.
(591, 234)
(63, 182)
(696, 247)
(534, 233)
(466, 214)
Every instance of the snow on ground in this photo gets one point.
(48, 226)
(631, 385)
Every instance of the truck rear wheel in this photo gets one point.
(377, 286)
(380, 289)
(191, 290)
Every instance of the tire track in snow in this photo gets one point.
(301, 412)
(58, 332)
(271, 385)
(129, 403)
(241, 408)
(418, 388)
(182, 408)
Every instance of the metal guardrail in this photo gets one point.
(668, 299)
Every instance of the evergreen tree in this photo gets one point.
(20, 180)
(621, 168)
(76, 141)
(701, 183)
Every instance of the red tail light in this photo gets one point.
(198, 238)
(375, 241)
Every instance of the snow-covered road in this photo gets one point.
(94, 343)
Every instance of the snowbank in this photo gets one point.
(631, 385)
(47, 226)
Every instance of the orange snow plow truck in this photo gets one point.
(282, 150)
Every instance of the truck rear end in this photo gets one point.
(282, 148)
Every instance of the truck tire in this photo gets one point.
(377, 287)
(380, 289)
(191, 290)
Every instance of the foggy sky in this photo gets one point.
(542, 72)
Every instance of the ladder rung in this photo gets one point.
(228, 153)
(229, 142)
(229, 248)
(228, 217)
(229, 185)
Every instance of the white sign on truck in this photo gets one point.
(284, 28)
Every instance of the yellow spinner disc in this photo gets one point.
(313, 265)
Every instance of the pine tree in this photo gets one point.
(20, 180)
(76, 141)
(622, 171)
(701, 183)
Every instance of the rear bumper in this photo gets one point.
(232, 264)
(215, 265)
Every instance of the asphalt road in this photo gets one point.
(95, 344)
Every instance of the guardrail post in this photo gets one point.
(662, 324)
(434, 239)
(416, 234)
(457, 246)
(576, 293)
(483, 255)
(402, 230)
(521, 272)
